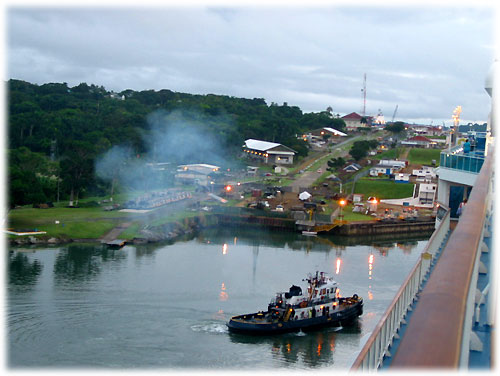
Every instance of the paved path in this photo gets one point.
(115, 232)
(308, 178)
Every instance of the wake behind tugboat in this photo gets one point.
(292, 311)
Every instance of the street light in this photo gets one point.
(342, 203)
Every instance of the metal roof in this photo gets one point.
(260, 145)
(203, 165)
(334, 131)
(266, 146)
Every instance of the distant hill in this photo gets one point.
(59, 131)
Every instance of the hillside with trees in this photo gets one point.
(57, 133)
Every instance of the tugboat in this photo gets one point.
(292, 311)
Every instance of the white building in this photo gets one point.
(426, 193)
(402, 178)
(201, 173)
(268, 152)
(392, 163)
(425, 172)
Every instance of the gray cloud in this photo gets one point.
(426, 60)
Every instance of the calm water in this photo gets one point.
(165, 306)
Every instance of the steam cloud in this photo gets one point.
(174, 137)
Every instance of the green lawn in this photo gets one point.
(35, 217)
(390, 154)
(78, 230)
(424, 156)
(383, 189)
(73, 222)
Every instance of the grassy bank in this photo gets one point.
(390, 154)
(383, 189)
(88, 223)
(424, 156)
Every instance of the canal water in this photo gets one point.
(165, 306)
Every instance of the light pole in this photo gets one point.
(342, 203)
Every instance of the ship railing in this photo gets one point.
(439, 334)
(380, 341)
(449, 296)
(455, 158)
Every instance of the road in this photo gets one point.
(307, 179)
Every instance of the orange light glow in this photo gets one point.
(318, 350)
(223, 294)
(228, 188)
(337, 270)
(370, 266)
(342, 202)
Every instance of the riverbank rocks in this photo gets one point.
(38, 240)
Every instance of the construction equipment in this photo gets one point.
(394, 114)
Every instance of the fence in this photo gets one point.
(381, 339)
(448, 297)
(454, 158)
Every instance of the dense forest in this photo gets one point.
(58, 134)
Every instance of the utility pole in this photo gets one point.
(363, 90)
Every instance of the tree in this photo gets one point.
(396, 127)
(31, 177)
(359, 149)
(335, 163)
(77, 169)
(358, 153)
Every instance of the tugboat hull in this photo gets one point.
(250, 324)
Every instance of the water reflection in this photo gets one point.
(90, 301)
(78, 262)
(312, 348)
(223, 294)
(298, 242)
(370, 265)
(22, 271)
(337, 266)
(407, 246)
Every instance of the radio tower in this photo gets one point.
(363, 90)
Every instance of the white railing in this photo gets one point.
(372, 355)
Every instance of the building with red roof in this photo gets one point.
(419, 141)
(353, 121)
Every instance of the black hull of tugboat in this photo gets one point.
(340, 318)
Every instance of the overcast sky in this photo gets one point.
(425, 59)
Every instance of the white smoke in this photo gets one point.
(175, 138)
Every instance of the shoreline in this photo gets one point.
(174, 231)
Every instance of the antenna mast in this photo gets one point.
(363, 90)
